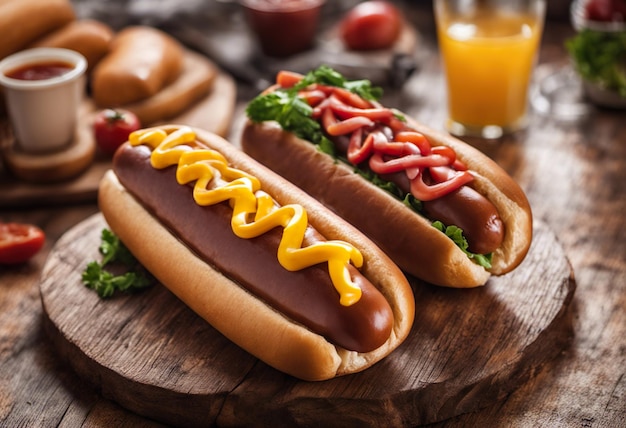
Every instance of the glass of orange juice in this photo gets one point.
(489, 48)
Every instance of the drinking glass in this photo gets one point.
(489, 50)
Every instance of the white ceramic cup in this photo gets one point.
(43, 113)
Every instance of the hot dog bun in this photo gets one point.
(408, 238)
(89, 37)
(150, 74)
(262, 331)
(196, 80)
(142, 61)
(22, 22)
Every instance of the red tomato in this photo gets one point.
(19, 242)
(112, 128)
(606, 10)
(371, 25)
(287, 79)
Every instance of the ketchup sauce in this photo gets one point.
(283, 27)
(40, 70)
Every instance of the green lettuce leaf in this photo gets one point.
(456, 234)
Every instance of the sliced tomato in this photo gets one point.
(351, 98)
(312, 97)
(287, 79)
(19, 242)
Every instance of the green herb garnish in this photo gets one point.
(115, 254)
(456, 234)
(600, 57)
(291, 112)
(325, 75)
(328, 147)
(294, 114)
(385, 185)
(412, 202)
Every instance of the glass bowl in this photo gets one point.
(580, 21)
(595, 91)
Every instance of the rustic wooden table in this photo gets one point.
(574, 174)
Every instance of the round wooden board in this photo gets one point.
(155, 357)
(212, 113)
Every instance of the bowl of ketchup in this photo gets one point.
(283, 27)
(43, 88)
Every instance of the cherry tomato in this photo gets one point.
(371, 25)
(112, 128)
(19, 242)
(606, 10)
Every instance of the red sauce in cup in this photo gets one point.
(40, 70)
(283, 27)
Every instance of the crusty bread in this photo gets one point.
(195, 81)
(89, 37)
(22, 22)
(409, 239)
(142, 61)
(233, 311)
(150, 74)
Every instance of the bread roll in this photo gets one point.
(89, 37)
(142, 61)
(22, 22)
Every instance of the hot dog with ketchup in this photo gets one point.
(263, 263)
(442, 210)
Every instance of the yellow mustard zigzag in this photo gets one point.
(243, 191)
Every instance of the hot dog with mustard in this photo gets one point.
(263, 263)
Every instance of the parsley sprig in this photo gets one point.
(115, 255)
(294, 114)
(325, 75)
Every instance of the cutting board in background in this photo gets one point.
(212, 113)
(155, 357)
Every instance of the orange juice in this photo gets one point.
(488, 60)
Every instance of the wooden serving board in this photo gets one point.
(212, 113)
(155, 357)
